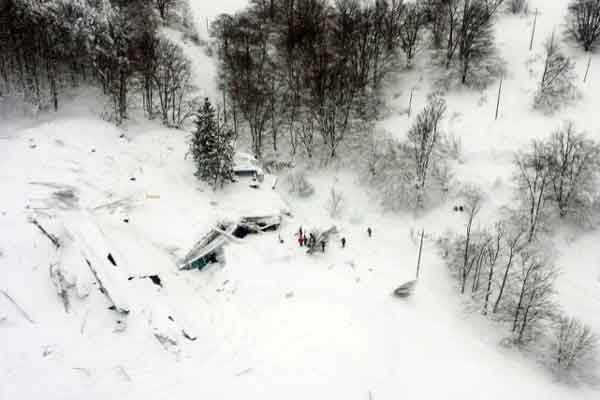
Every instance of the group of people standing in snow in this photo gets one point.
(311, 240)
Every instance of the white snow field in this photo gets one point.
(272, 322)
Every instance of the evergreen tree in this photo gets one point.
(212, 148)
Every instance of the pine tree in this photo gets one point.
(212, 148)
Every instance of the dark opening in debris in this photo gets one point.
(155, 279)
(111, 259)
(126, 220)
(241, 232)
(212, 258)
(267, 228)
(132, 178)
(171, 318)
(187, 336)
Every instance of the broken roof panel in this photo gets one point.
(107, 266)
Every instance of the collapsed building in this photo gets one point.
(209, 249)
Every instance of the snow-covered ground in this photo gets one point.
(272, 322)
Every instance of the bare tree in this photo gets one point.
(533, 289)
(453, 9)
(493, 254)
(298, 184)
(246, 70)
(573, 162)
(533, 302)
(171, 76)
(476, 38)
(423, 137)
(557, 83)
(335, 203)
(532, 179)
(164, 6)
(277, 110)
(480, 260)
(518, 6)
(513, 243)
(391, 172)
(473, 206)
(410, 33)
(574, 346)
(436, 20)
(306, 135)
(583, 22)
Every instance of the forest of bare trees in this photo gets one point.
(47, 48)
(506, 268)
(308, 74)
(305, 70)
(583, 23)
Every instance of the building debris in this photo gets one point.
(123, 373)
(101, 259)
(66, 198)
(61, 284)
(209, 249)
(247, 370)
(405, 290)
(50, 236)
(85, 371)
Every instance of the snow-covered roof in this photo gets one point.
(244, 162)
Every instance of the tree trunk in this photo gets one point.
(504, 279)
(525, 316)
(488, 289)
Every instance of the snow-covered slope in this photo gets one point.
(272, 322)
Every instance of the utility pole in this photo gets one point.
(533, 29)
(420, 250)
(587, 69)
(498, 101)
(224, 106)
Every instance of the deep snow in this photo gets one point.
(272, 322)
